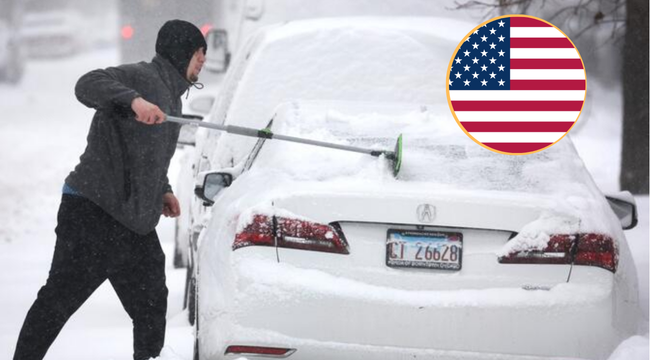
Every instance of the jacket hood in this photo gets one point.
(175, 81)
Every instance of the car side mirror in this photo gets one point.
(217, 57)
(213, 183)
(624, 206)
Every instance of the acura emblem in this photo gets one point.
(426, 213)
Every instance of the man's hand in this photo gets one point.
(171, 207)
(146, 112)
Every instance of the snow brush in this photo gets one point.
(395, 157)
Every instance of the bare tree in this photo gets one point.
(627, 20)
(634, 164)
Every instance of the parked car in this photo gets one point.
(310, 253)
(55, 33)
(12, 55)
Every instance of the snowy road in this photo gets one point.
(42, 133)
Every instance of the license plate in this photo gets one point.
(424, 249)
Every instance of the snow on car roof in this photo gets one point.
(439, 27)
(349, 59)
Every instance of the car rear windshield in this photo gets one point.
(435, 150)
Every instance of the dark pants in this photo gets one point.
(90, 248)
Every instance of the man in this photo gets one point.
(113, 199)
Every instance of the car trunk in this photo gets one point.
(457, 240)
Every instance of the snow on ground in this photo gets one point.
(42, 133)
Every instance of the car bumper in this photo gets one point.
(313, 350)
(324, 316)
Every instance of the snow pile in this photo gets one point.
(247, 216)
(634, 348)
(535, 235)
(168, 353)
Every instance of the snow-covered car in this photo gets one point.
(312, 253)
(53, 33)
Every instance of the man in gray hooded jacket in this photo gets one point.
(113, 199)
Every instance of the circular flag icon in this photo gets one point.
(517, 84)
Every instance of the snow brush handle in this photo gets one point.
(395, 157)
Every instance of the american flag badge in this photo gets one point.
(516, 84)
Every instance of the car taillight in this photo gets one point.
(259, 350)
(205, 29)
(590, 249)
(127, 32)
(291, 233)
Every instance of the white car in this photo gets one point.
(311, 253)
(55, 33)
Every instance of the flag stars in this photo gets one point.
(451, 83)
(492, 75)
(501, 38)
(483, 38)
(466, 53)
(501, 67)
(501, 82)
(483, 82)
(467, 40)
(476, 32)
(492, 31)
(483, 68)
(475, 60)
(493, 61)
(475, 45)
(466, 67)
(493, 46)
(466, 82)
(483, 53)
(458, 60)
(475, 75)
(501, 23)
(501, 53)
(458, 74)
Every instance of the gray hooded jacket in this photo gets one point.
(124, 167)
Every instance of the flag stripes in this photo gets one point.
(521, 137)
(541, 32)
(517, 105)
(547, 74)
(516, 148)
(546, 64)
(527, 22)
(548, 85)
(474, 95)
(517, 126)
(547, 53)
(492, 116)
(533, 43)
